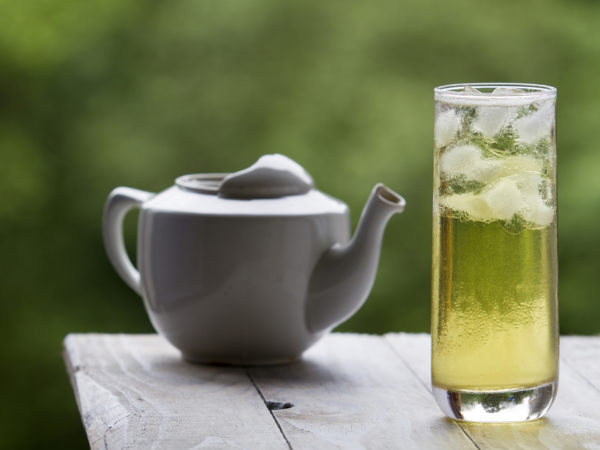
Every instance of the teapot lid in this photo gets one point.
(273, 186)
(272, 176)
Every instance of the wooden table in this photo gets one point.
(348, 391)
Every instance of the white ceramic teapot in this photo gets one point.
(251, 267)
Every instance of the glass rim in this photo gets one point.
(454, 94)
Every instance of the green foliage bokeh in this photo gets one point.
(104, 93)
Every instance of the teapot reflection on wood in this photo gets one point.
(251, 267)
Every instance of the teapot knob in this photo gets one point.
(270, 177)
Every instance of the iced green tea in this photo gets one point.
(494, 279)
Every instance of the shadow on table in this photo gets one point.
(171, 368)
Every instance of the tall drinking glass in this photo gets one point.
(494, 319)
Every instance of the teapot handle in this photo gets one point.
(119, 202)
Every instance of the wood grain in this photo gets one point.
(349, 391)
(136, 392)
(574, 419)
(582, 353)
(353, 392)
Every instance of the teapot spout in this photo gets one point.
(344, 275)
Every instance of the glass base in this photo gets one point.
(514, 405)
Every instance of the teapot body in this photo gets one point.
(251, 267)
(231, 287)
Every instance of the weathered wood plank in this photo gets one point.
(582, 353)
(136, 392)
(573, 421)
(352, 391)
(349, 391)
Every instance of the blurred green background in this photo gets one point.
(103, 93)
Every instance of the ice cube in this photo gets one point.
(468, 161)
(504, 199)
(533, 127)
(471, 90)
(491, 119)
(529, 183)
(474, 205)
(536, 211)
(447, 124)
(517, 164)
(508, 91)
(535, 185)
